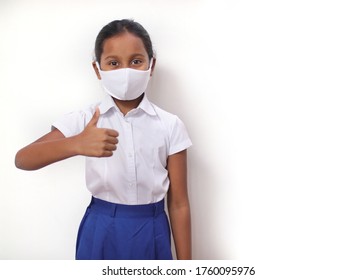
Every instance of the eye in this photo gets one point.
(113, 63)
(136, 62)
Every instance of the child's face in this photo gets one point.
(123, 51)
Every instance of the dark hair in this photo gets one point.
(117, 27)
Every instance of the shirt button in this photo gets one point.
(130, 155)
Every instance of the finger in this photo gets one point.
(112, 140)
(107, 154)
(110, 147)
(112, 132)
(95, 118)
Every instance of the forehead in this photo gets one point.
(123, 45)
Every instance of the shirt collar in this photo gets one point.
(146, 106)
(108, 103)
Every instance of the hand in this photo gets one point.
(97, 142)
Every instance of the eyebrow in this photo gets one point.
(110, 56)
(137, 54)
(116, 57)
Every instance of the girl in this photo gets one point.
(135, 155)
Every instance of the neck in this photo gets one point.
(127, 105)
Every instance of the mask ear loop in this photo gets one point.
(151, 62)
(97, 63)
(94, 59)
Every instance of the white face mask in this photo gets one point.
(125, 83)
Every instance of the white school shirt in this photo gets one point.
(136, 173)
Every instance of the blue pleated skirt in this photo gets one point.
(111, 231)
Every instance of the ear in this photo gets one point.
(153, 66)
(96, 70)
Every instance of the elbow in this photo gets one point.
(20, 161)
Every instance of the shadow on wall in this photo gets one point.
(166, 92)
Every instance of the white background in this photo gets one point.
(267, 90)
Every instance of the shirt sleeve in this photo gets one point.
(71, 124)
(179, 138)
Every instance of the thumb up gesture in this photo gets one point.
(97, 142)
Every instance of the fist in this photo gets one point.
(97, 142)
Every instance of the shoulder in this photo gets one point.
(178, 136)
(85, 113)
(169, 120)
(73, 122)
(163, 114)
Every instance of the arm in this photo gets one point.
(54, 146)
(50, 148)
(179, 206)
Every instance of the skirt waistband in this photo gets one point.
(123, 210)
